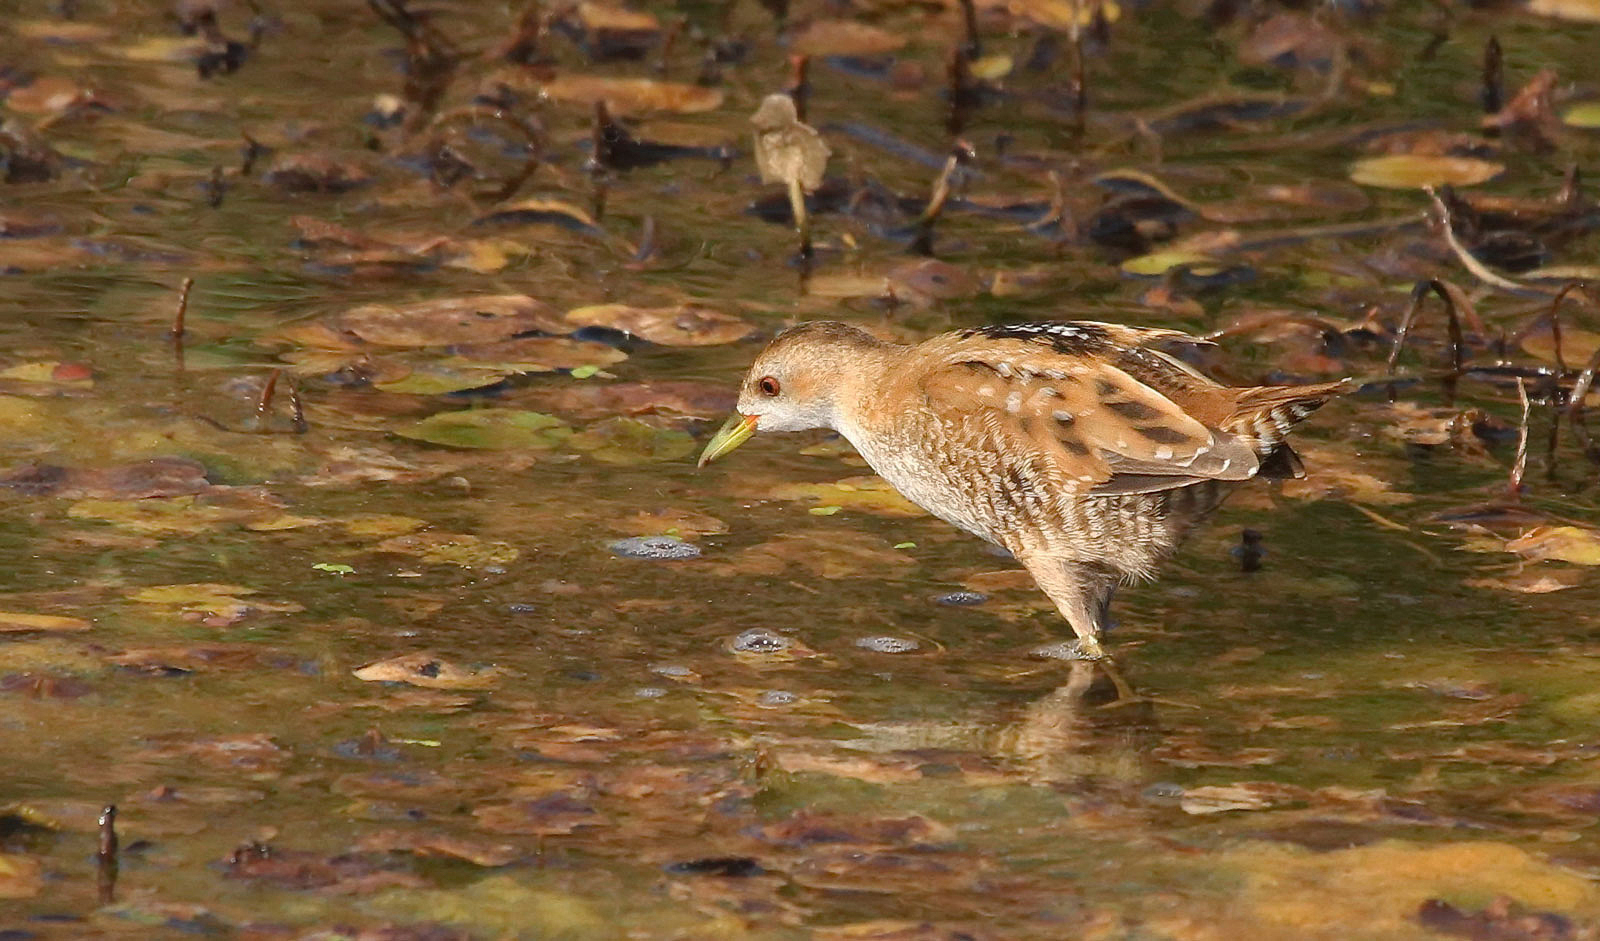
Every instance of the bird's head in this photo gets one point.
(796, 383)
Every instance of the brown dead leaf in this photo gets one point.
(429, 671)
(808, 828)
(685, 325)
(670, 522)
(345, 874)
(632, 96)
(21, 877)
(160, 477)
(844, 38)
(318, 172)
(547, 815)
(449, 321)
(832, 553)
(474, 850)
(669, 397)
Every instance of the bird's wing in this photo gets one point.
(1069, 404)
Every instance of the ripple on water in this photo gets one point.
(761, 640)
(886, 644)
(656, 548)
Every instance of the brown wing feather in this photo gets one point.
(1089, 418)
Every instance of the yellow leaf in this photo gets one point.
(15, 621)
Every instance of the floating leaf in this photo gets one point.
(1411, 171)
(16, 621)
(382, 524)
(21, 877)
(1565, 543)
(632, 96)
(174, 515)
(1159, 263)
(428, 671)
(1577, 344)
(1585, 115)
(440, 380)
(463, 549)
(446, 322)
(686, 325)
(844, 38)
(75, 375)
(495, 429)
(631, 441)
(1578, 11)
(871, 494)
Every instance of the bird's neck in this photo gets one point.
(864, 391)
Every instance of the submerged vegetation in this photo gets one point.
(356, 580)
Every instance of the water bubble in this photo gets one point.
(886, 644)
(522, 607)
(657, 548)
(649, 692)
(778, 697)
(671, 669)
(962, 599)
(1163, 793)
(761, 640)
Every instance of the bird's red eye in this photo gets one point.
(768, 386)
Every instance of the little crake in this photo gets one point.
(1081, 448)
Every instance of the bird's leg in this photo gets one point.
(1082, 593)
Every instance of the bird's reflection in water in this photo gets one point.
(1090, 728)
(1094, 728)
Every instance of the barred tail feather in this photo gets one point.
(1263, 415)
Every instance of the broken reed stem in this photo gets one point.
(1575, 405)
(799, 84)
(268, 391)
(1471, 263)
(802, 216)
(668, 40)
(972, 47)
(106, 855)
(1554, 316)
(297, 410)
(1418, 294)
(922, 243)
(1080, 85)
(1519, 466)
(1494, 91)
(182, 313)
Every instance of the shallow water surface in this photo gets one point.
(368, 657)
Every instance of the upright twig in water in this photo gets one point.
(106, 855)
(431, 60)
(264, 404)
(1519, 466)
(1575, 406)
(1494, 89)
(1418, 293)
(800, 84)
(182, 313)
(297, 409)
(922, 242)
(178, 317)
(1080, 85)
(1469, 261)
(963, 92)
(971, 46)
